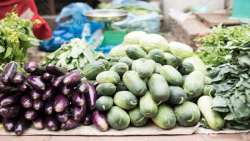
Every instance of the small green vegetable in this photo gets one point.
(137, 118)
(125, 100)
(187, 114)
(104, 103)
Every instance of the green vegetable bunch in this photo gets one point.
(215, 47)
(15, 37)
(73, 55)
(231, 81)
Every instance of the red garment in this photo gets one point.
(27, 9)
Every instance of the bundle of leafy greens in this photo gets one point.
(73, 55)
(232, 84)
(15, 38)
(216, 47)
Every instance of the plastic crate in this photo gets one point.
(241, 9)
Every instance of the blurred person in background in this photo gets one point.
(27, 9)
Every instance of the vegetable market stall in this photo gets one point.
(117, 95)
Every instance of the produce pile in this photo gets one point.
(144, 80)
(73, 55)
(15, 37)
(230, 76)
(216, 47)
(152, 80)
(45, 98)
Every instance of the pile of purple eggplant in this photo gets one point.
(46, 97)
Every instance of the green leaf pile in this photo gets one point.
(73, 55)
(232, 84)
(15, 37)
(215, 47)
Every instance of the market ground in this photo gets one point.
(200, 137)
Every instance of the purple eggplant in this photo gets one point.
(72, 78)
(36, 83)
(9, 72)
(35, 95)
(38, 105)
(30, 115)
(48, 108)
(47, 94)
(9, 112)
(2, 95)
(24, 87)
(20, 127)
(78, 99)
(61, 103)
(26, 102)
(58, 81)
(66, 90)
(62, 117)
(88, 119)
(83, 88)
(18, 78)
(2, 86)
(70, 124)
(38, 124)
(31, 67)
(52, 69)
(52, 124)
(100, 121)
(91, 96)
(10, 100)
(9, 124)
(47, 77)
(79, 113)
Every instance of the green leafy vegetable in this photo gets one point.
(74, 55)
(15, 38)
(232, 84)
(215, 47)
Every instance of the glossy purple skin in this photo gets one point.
(62, 117)
(9, 72)
(2, 86)
(30, 115)
(36, 83)
(18, 78)
(26, 102)
(38, 124)
(60, 103)
(48, 108)
(52, 124)
(47, 94)
(83, 88)
(78, 99)
(88, 119)
(35, 95)
(72, 78)
(7, 101)
(100, 121)
(9, 112)
(9, 124)
(70, 124)
(52, 69)
(2, 95)
(31, 67)
(47, 77)
(79, 113)
(66, 90)
(24, 87)
(91, 96)
(20, 127)
(38, 105)
(58, 81)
